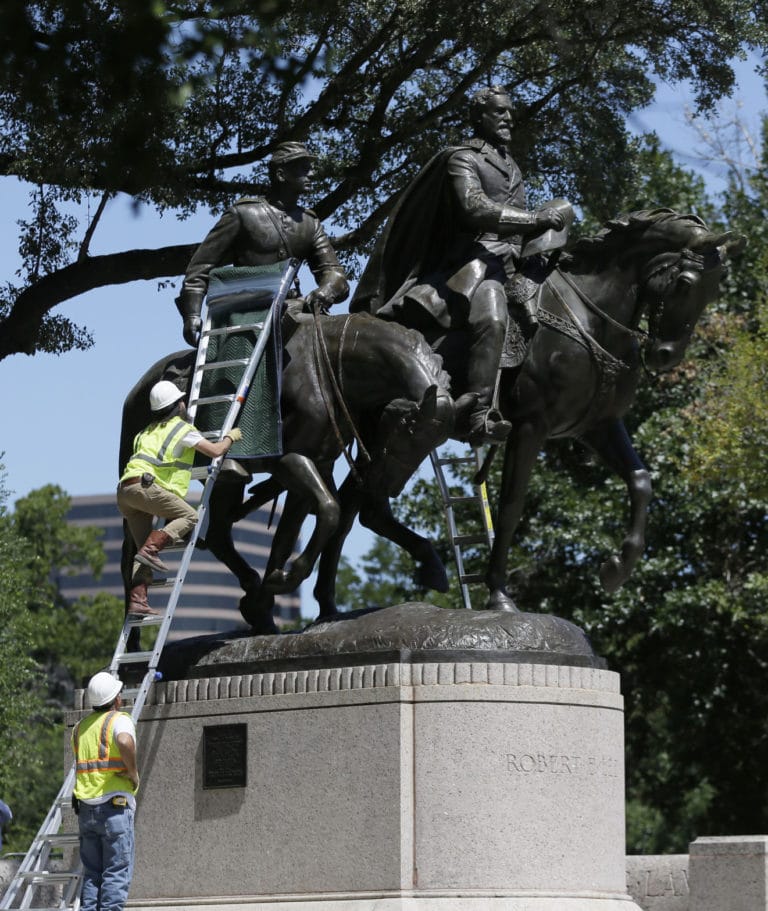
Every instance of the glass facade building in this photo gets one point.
(210, 596)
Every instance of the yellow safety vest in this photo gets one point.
(98, 762)
(153, 452)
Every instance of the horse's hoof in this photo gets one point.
(431, 574)
(612, 575)
(500, 600)
(256, 610)
(326, 617)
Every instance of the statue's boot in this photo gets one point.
(488, 427)
(147, 553)
(486, 423)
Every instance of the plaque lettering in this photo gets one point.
(225, 755)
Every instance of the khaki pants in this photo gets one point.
(140, 505)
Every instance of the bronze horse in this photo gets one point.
(395, 394)
(579, 377)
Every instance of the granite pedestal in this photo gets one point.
(416, 782)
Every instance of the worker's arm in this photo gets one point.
(127, 747)
(214, 450)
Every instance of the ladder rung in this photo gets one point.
(153, 620)
(220, 365)
(62, 838)
(215, 399)
(460, 540)
(471, 578)
(44, 877)
(454, 501)
(457, 460)
(231, 330)
(134, 657)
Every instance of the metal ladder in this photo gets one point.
(478, 497)
(34, 871)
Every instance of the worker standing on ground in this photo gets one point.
(155, 482)
(106, 782)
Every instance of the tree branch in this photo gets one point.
(19, 330)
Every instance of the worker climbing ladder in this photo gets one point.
(38, 872)
(447, 474)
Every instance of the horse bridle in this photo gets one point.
(680, 260)
(683, 261)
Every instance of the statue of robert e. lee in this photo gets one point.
(258, 231)
(450, 255)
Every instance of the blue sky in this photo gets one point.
(61, 415)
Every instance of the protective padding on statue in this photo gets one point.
(238, 296)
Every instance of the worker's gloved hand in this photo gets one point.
(234, 434)
(191, 330)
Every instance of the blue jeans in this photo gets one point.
(106, 851)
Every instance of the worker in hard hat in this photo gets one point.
(155, 482)
(104, 798)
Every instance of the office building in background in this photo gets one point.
(209, 599)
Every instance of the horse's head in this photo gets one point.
(407, 432)
(677, 287)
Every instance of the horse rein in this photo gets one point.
(659, 264)
(324, 366)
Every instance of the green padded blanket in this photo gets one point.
(239, 295)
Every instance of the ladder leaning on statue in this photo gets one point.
(451, 501)
(38, 870)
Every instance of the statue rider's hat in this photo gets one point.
(289, 151)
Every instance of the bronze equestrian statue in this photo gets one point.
(395, 399)
(581, 373)
(450, 257)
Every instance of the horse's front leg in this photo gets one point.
(301, 476)
(350, 497)
(612, 443)
(520, 455)
(375, 513)
(225, 508)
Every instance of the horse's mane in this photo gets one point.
(623, 229)
(429, 359)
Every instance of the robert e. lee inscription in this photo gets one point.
(225, 755)
(558, 764)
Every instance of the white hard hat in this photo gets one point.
(163, 394)
(102, 689)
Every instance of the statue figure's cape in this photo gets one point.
(415, 237)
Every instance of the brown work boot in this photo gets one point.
(147, 553)
(138, 605)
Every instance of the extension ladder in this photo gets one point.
(479, 498)
(35, 870)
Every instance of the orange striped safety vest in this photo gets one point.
(98, 763)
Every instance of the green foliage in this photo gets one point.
(728, 417)
(22, 683)
(47, 647)
(180, 106)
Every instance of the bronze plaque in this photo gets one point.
(225, 756)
